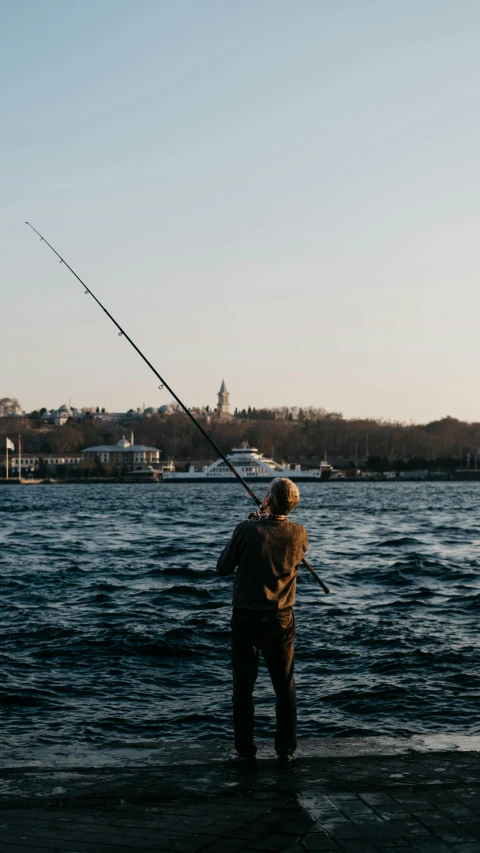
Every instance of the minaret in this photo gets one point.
(223, 403)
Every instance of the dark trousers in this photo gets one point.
(274, 634)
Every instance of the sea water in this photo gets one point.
(114, 626)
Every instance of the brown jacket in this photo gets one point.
(266, 554)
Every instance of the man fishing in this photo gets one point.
(265, 551)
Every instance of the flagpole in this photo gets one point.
(6, 451)
(19, 459)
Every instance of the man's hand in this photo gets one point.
(262, 510)
(256, 516)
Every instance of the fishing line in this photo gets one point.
(164, 384)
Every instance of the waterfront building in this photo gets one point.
(122, 453)
(53, 460)
(30, 462)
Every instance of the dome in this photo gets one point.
(123, 442)
(65, 409)
(150, 411)
(47, 415)
(165, 410)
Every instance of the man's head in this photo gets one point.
(282, 496)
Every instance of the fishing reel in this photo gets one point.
(258, 514)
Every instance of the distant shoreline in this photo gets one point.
(115, 481)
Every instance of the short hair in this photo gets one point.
(284, 496)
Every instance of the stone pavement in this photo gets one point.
(332, 799)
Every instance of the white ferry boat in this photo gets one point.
(251, 465)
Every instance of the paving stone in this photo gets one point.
(439, 822)
(345, 797)
(248, 833)
(351, 807)
(397, 850)
(456, 810)
(460, 838)
(220, 845)
(418, 803)
(365, 819)
(318, 841)
(50, 843)
(410, 829)
(14, 848)
(328, 817)
(296, 824)
(182, 843)
(380, 839)
(392, 813)
(376, 798)
(343, 830)
(272, 843)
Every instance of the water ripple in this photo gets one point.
(114, 623)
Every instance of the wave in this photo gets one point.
(187, 591)
(25, 699)
(398, 542)
(178, 571)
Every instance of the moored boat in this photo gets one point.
(252, 466)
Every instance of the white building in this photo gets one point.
(54, 459)
(60, 416)
(122, 453)
(116, 417)
(30, 462)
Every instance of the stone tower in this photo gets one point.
(223, 403)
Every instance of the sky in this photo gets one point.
(284, 195)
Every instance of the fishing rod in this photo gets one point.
(122, 333)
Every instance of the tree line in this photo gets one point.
(442, 443)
